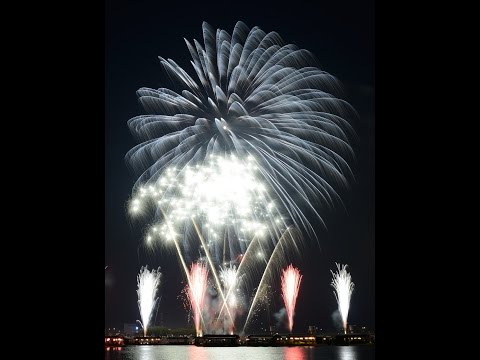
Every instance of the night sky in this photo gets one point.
(341, 35)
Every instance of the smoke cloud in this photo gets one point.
(281, 318)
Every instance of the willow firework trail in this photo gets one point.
(343, 285)
(291, 279)
(253, 96)
(147, 283)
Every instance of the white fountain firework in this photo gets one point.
(147, 286)
(343, 285)
(230, 281)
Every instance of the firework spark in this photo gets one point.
(147, 283)
(343, 285)
(196, 292)
(291, 279)
(224, 195)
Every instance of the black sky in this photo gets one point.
(341, 35)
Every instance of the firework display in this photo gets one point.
(229, 163)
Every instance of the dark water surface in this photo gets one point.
(190, 352)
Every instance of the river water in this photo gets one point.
(191, 352)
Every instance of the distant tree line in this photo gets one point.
(164, 331)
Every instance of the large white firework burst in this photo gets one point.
(253, 97)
